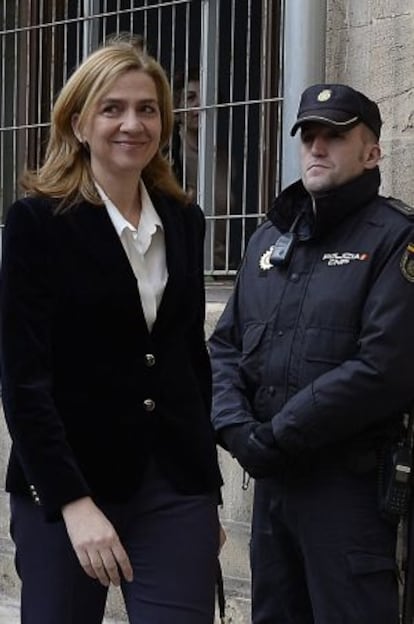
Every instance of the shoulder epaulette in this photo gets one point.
(401, 206)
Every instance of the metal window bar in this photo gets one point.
(240, 92)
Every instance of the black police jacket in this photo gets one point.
(324, 345)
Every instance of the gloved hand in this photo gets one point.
(263, 435)
(254, 447)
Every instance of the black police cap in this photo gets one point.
(339, 106)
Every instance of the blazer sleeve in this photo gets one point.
(26, 330)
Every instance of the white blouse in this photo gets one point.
(145, 248)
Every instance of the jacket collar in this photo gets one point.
(323, 213)
(94, 230)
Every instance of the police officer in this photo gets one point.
(312, 364)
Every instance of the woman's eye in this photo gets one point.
(111, 109)
(149, 109)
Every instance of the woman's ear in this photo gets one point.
(75, 127)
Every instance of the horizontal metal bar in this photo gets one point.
(176, 110)
(86, 18)
(24, 127)
(233, 217)
(229, 104)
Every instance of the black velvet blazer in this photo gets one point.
(89, 393)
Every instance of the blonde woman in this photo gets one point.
(113, 472)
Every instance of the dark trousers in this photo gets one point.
(171, 539)
(320, 552)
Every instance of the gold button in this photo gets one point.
(149, 405)
(149, 359)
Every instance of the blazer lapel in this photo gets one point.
(94, 230)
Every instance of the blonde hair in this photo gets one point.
(66, 173)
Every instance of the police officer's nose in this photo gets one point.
(318, 146)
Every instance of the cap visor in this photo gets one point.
(334, 120)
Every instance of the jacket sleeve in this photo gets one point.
(231, 405)
(376, 384)
(27, 304)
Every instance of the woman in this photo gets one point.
(113, 471)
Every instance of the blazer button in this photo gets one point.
(149, 405)
(149, 359)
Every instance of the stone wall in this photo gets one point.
(370, 45)
(7, 574)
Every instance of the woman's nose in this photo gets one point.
(131, 121)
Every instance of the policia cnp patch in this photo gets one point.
(407, 263)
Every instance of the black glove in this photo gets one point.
(263, 433)
(254, 447)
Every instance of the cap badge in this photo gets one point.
(324, 95)
(407, 263)
(264, 262)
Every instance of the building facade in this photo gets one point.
(238, 47)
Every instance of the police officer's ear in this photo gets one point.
(372, 149)
(373, 156)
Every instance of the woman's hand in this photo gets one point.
(96, 542)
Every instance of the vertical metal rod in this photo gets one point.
(3, 110)
(184, 96)
(263, 148)
(90, 27)
(65, 43)
(304, 64)
(146, 25)
(15, 105)
(131, 18)
(247, 113)
(78, 33)
(118, 7)
(207, 125)
(230, 169)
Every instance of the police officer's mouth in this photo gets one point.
(316, 166)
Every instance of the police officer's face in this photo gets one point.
(329, 157)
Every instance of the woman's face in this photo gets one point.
(124, 129)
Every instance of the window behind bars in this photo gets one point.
(224, 64)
